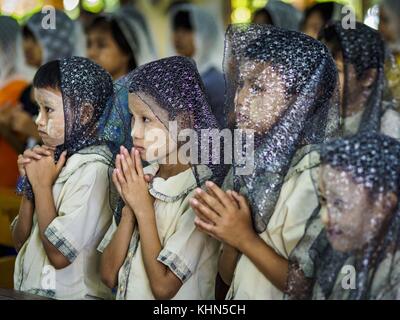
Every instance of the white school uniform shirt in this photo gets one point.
(190, 254)
(390, 123)
(297, 201)
(81, 199)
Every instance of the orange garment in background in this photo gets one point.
(9, 93)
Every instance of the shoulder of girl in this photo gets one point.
(84, 170)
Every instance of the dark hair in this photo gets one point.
(182, 21)
(48, 76)
(27, 33)
(106, 24)
(329, 35)
(264, 12)
(326, 9)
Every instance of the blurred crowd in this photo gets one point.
(122, 41)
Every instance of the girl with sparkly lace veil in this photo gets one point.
(354, 253)
(360, 57)
(153, 250)
(281, 87)
(65, 209)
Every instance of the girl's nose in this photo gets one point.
(91, 52)
(137, 130)
(40, 120)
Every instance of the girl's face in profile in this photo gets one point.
(50, 121)
(260, 97)
(351, 216)
(149, 134)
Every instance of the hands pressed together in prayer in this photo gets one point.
(39, 166)
(132, 183)
(223, 215)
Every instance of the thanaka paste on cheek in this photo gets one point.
(54, 126)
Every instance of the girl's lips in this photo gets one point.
(334, 233)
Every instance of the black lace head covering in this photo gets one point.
(315, 266)
(175, 85)
(362, 49)
(282, 85)
(91, 113)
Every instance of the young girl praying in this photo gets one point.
(65, 209)
(281, 87)
(351, 250)
(153, 250)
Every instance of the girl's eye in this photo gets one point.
(145, 119)
(48, 110)
(255, 88)
(338, 203)
(322, 199)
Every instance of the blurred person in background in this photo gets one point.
(389, 24)
(389, 27)
(318, 16)
(198, 35)
(120, 42)
(40, 46)
(279, 14)
(359, 54)
(12, 83)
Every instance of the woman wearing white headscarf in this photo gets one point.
(198, 35)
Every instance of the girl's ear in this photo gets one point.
(86, 113)
(386, 204)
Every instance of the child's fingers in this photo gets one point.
(205, 227)
(200, 215)
(220, 195)
(21, 160)
(120, 177)
(41, 151)
(233, 200)
(138, 161)
(116, 182)
(32, 155)
(127, 157)
(118, 162)
(206, 212)
(126, 170)
(209, 200)
(241, 200)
